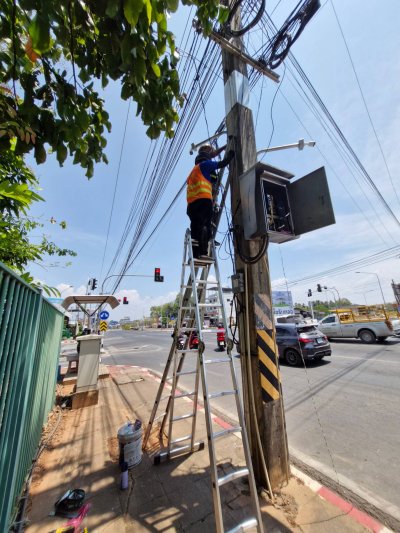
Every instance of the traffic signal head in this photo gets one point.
(319, 288)
(125, 300)
(309, 293)
(157, 275)
(94, 284)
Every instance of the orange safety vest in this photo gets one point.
(197, 186)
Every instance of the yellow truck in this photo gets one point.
(367, 323)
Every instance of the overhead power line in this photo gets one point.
(304, 83)
(372, 259)
(365, 103)
(163, 159)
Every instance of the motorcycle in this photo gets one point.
(194, 341)
(221, 343)
(181, 342)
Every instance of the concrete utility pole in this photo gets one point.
(259, 334)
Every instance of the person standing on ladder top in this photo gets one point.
(200, 196)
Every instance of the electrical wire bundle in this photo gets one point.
(198, 78)
(153, 181)
(291, 30)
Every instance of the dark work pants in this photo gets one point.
(200, 213)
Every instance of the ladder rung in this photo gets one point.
(163, 398)
(181, 439)
(160, 416)
(221, 360)
(202, 261)
(224, 432)
(209, 305)
(232, 476)
(178, 451)
(247, 524)
(184, 395)
(183, 417)
(170, 378)
(202, 330)
(200, 282)
(187, 372)
(223, 393)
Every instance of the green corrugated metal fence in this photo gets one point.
(30, 335)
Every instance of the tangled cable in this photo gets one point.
(256, 258)
(227, 30)
(290, 32)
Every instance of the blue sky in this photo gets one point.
(362, 227)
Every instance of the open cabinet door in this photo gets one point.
(310, 202)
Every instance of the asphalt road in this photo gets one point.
(342, 413)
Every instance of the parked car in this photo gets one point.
(297, 340)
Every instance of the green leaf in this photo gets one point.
(223, 14)
(153, 131)
(83, 120)
(172, 5)
(149, 10)
(62, 153)
(112, 8)
(39, 30)
(156, 69)
(40, 154)
(132, 10)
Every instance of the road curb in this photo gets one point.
(359, 516)
(324, 492)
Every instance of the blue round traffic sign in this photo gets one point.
(104, 315)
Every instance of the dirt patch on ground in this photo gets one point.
(288, 505)
(113, 449)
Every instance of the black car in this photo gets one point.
(297, 340)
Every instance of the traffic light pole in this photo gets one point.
(256, 327)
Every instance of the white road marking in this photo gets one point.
(366, 359)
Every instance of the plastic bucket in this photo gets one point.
(130, 445)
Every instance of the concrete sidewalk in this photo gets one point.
(174, 496)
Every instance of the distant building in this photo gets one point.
(213, 315)
(125, 320)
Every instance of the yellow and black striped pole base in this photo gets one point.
(267, 356)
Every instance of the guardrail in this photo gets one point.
(30, 336)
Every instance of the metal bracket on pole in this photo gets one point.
(234, 50)
(194, 146)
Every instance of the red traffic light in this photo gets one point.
(157, 275)
(125, 300)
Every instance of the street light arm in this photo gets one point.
(379, 282)
(124, 276)
(300, 145)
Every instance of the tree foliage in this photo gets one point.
(53, 53)
(169, 310)
(18, 186)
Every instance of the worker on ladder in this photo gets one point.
(200, 196)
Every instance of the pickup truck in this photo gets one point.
(340, 325)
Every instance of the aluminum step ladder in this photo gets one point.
(192, 306)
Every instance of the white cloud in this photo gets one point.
(138, 305)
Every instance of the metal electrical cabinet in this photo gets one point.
(89, 358)
(273, 205)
